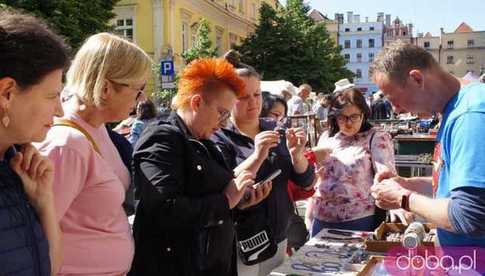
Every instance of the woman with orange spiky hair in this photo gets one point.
(183, 224)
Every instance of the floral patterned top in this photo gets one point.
(343, 187)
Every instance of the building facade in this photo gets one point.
(396, 30)
(360, 42)
(459, 52)
(166, 28)
(330, 25)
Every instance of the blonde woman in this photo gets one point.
(106, 79)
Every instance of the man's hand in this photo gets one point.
(382, 175)
(388, 193)
(401, 215)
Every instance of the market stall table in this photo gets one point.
(328, 253)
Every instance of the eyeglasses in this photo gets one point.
(354, 118)
(140, 90)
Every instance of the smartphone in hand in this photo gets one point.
(269, 178)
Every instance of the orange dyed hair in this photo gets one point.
(206, 76)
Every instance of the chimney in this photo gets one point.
(349, 17)
(341, 18)
(442, 30)
(388, 20)
(380, 17)
(410, 29)
(356, 18)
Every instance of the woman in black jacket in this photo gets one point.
(31, 63)
(183, 224)
(240, 141)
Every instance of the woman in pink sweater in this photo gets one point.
(106, 80)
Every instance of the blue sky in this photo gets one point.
(426, 15)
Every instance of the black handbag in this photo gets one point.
(297, 232)
(255, 242)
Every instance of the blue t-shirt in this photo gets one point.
(462, 139)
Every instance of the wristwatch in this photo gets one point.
(405, 200)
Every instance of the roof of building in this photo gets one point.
(463, 28)
(316, 15)
(428, 34)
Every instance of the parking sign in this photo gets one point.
(167, 68)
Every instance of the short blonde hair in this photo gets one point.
(103, 57)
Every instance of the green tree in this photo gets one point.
(202, 46)
(74, 19)
(288, 45)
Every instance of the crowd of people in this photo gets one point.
(206, 204)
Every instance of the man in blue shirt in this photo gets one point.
(414, 82)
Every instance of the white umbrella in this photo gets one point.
(277, 87)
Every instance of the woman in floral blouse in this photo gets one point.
(357, 152)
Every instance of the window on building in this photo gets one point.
(359, 43)
(470, 59)
(347, 30)
(241, 6)
(451, 44)
(254, 10)
(347, 57)
(426, 44)
(358, 74)
(347, 44)
(371, 43)
(450, 60)
(371, 28)
(371, 57)
(471, 43)
(404, 33)
(185, 36)
(193, 33)
(232, 40)
(219, 41)
(359, 29)
(124, 28)
(359, 57)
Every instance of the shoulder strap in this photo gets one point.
(72, 124)
(370, 149)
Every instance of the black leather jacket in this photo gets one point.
(183, 224)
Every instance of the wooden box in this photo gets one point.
(380, 244)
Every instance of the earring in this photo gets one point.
(5, 120)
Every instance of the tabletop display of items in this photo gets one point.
(342, 252)
(330, 252)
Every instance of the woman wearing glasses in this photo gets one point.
(357, 151)
(184, 221)
(249, 137)
(106, 80)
